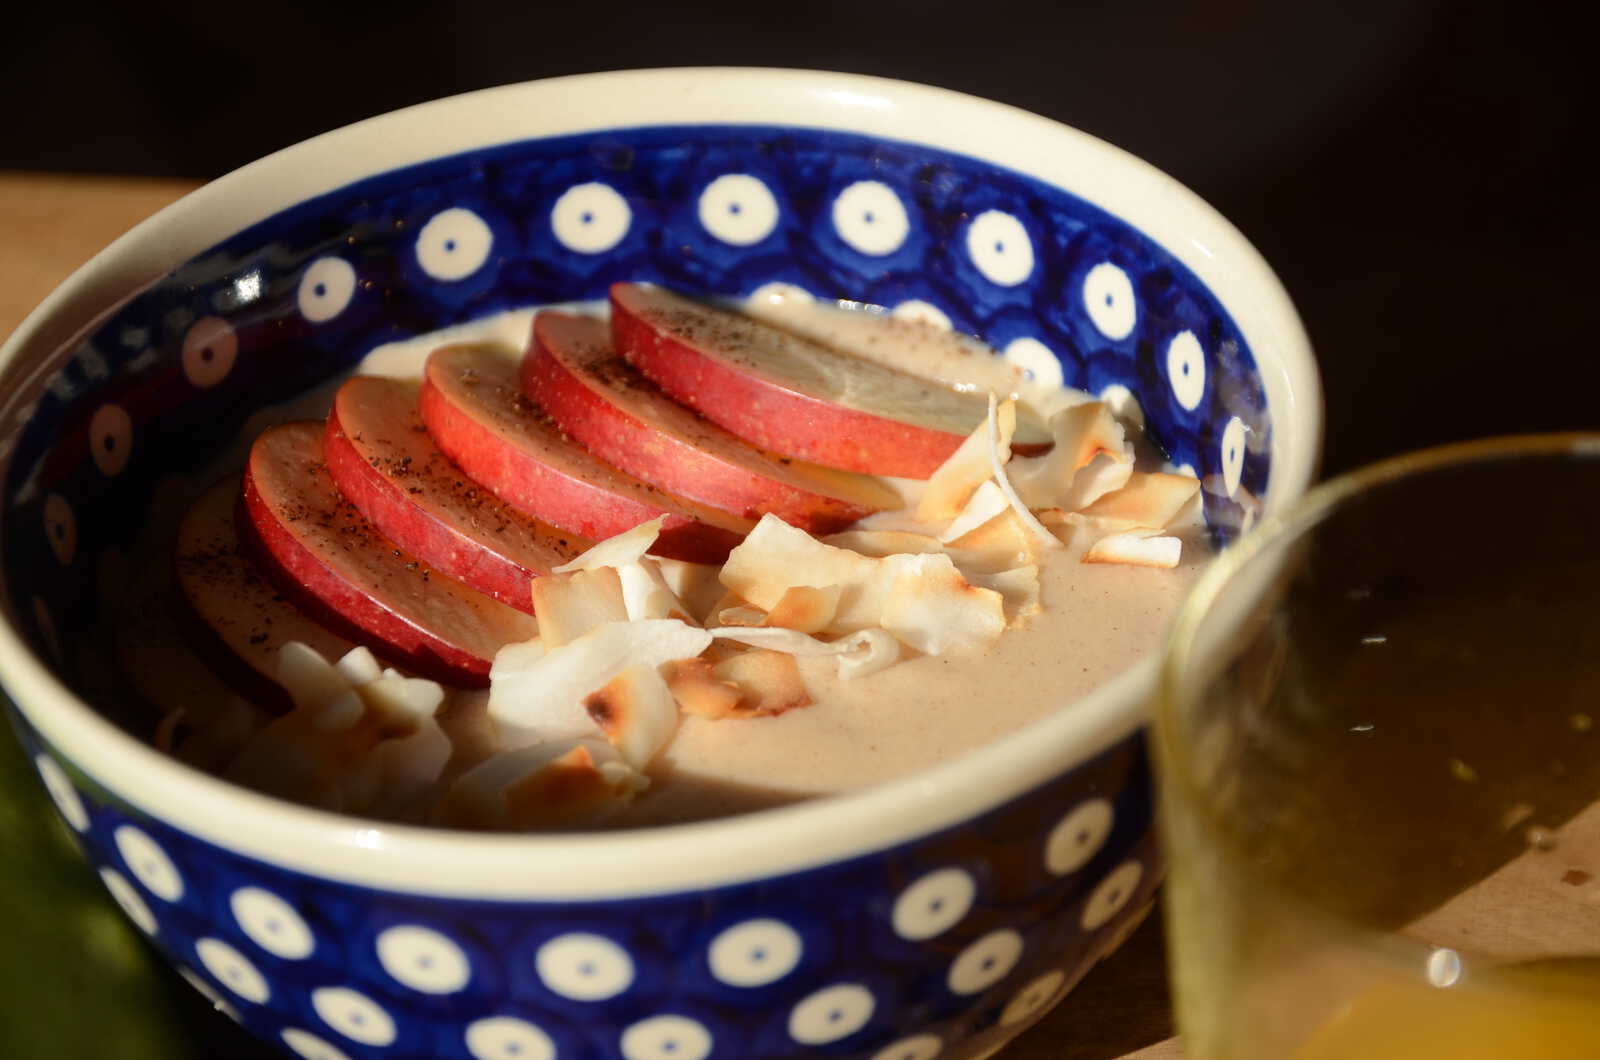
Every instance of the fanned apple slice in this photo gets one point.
(234, 619)
(480, 419)
(790, 395)
(621, 417)
(323, 555)
(382, 460)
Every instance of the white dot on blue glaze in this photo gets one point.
(584, 967)
(1186, 369)
(920, 312)
(999, 246)
(326, 288)
(127, 897)
(1078, 836)
(755, 953)
(508, 1038)
(454, 244)
(210, 347)
(353, 1015)
(1111, 895)
(148, 863)
(1108, 299)
(1032, 999)
(111, 439)
(272, 923)
(934, 904)
(985, 962)
(917, 1047)
(666, 1038)
(738, 209)
(61, 528)
(423, 959)
(1036, 359)
(870, 218)
(1232, 454)
(62, 792)
(233, 970)
(307, 1045)
(832, 1013)
(591, 218)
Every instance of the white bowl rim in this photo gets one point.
(689, 857)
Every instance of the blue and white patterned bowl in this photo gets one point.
(931, 917)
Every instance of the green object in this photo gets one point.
(76, 978)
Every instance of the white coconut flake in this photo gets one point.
(932, 608)
(1142, 548)
(560, 783)
(997, 462)
(986, 502)
(619, 550)
(880, 543)
(866, 651)
(776, 556)
(646, 594)
(1083, 434)
(966, 469)
(1148, 501)
(569, 605)
(541, 699)
(1018, 589)
(636, 712)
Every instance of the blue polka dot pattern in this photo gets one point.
(937, 947)
(371, 973)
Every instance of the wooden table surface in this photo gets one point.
(51, 224)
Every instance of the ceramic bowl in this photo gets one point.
(935, 916)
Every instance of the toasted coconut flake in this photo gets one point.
(619, 550)
(570, 605)
(1143, 548)
(541, 699)
(699, 691)
(360, 739)
(806, 608)
(637, 713)
(969, 466)
(545, 785)
(1081, 432)
(741, 615)
(776, 556)
(866, 652)
(1018, 589)
(694, 584)
(931, 607)
(1148, 500)
(880, 543)
(903, 521)
(860, 653)
(1102, 475)
(986, 502)
(998, 544)
(769, 682)
(998, 461)
(646, 594)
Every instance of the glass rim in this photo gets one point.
(1299, 517)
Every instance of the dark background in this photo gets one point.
(1419, 172)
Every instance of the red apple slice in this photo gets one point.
(324, 556)
(480, 419)
(790, 395)
(382, 460)
(621, 417)
(235, 621)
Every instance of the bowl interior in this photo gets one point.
(162, 383)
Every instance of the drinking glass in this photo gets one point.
(1378, 736)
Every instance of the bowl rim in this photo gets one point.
(685, 857)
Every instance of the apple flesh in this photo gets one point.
(478, 416)
(624, 419)
(794, 396)
(383, 461)
(321, 553)
(233, 619)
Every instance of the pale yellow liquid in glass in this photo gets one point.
(1544, 1011)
